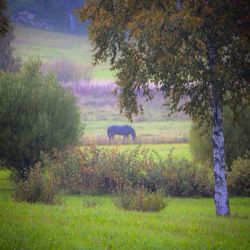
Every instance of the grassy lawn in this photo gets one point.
(183, 224)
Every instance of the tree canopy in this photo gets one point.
(4, 21)
(7, 61)
(154, 42)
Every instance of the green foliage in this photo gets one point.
(5, 23)
(92, 170)
(239, 177)
(237, 137)
(38, 187)
(7, 61)
(183, 51)
(141, 199)
(36, 114)
(181, 178)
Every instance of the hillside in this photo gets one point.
(49, 46)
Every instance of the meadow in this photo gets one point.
(49, 46)
(95, 222)
(147, 132)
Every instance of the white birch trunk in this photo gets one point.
(220, 186)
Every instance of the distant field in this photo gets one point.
(186, 223)
(147, 132)
(30, 42)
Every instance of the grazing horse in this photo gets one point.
(124, 130)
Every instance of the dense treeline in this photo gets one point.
(60, 12)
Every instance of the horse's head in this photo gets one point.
(133, 135)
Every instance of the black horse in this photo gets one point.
(124, 130)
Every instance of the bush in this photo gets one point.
(36, 114)
(236, 132)
(75, 169)
(141, 199)
(182, 178)
(38, 187)
(91, 170)
(238, 179)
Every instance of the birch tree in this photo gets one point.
(196, 50)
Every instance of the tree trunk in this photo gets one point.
(220, 187)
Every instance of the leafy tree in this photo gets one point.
(193, 49)
(36, 114)
(4, 20)
(237, 137)
(7, 61)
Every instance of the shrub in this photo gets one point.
(36, 114)
(75, 169)
(237, 137)
(92, 170)
(38, 187)
(238, 179)
(182, 178)
(141, 199)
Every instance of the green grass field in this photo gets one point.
(180, 150)
(183, 224)
(148, 132)
(142, 128)
(30, 42)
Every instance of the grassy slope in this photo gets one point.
(31, 42)
(184, 224)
